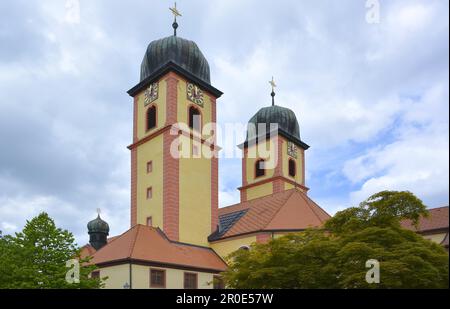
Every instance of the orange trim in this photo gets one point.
(171, 97)
(147, 129)
(279, 168)
(277, 186)
(303, 167)
(135, 118)
(170, 189)
(133, 212)
(180, 131)
(149, 137)
(214, 174)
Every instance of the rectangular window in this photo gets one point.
(149, 193)
(190, 281)
(157, 278)
(149, 167)
(95, 274)
(149, 221)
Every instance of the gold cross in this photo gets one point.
(272, 83)
(175, 12)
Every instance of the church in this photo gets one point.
(178, 236)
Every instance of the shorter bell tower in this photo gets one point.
(273, 153)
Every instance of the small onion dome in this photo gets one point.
(180, 51)
(284, 117)
(98, 226)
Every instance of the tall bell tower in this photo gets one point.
(174, 169)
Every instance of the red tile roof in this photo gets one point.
(437, 220)
(148, 244)
(287, 210)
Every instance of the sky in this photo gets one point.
(371, 96)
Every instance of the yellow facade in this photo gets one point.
(118, 275)
(437, 238)
(259, 190)
(229, 245)
(152, 150)
(195, 195)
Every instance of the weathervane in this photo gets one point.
(175, 13)
(272, 83)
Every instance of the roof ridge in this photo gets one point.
(134, 241)
(116, 238)
(439, 207)
(278, 210)
(258, 198)
(307, 200)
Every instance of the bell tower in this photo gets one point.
(273, 154)
(174, 166)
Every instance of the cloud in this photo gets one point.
(418, 160)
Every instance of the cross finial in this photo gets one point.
(272, 83)
(99, 211)
(175, 13)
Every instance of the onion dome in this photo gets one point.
(284, 117)
(98, 231)
(98, 226)
(180, 51)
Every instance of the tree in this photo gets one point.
(335, 256)
(36, 258)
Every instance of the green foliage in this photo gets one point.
(336, 257)
(36, 258)
(386, 208)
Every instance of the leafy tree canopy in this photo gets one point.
(336, 256)
(36, 258)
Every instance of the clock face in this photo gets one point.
(195, 94)
(151, 94)
(292, 150)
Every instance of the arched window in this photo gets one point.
(151, 117)
(259, 168)
(195, 119)
(292, 168)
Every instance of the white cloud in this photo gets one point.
(418, 160)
